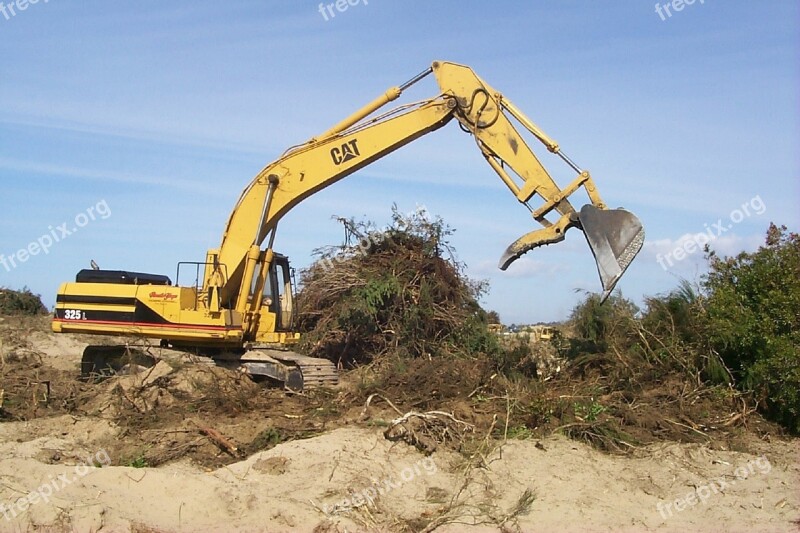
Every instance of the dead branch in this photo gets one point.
(385, 399)
(217, 438)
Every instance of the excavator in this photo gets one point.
(239, 307)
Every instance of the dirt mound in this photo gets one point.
(422, 383)
(209, 415)
(30, 385)
(184, 407)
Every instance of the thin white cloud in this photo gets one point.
(733, 244)
(84, 174)
(128, 129)
(686, 252)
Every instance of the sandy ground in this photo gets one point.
(353, 479)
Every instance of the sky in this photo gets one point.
(129, 129)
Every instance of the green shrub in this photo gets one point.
(741, 325)
(22, 302)
(597, 325)
(753, 313)
(675, 314)
(676, 325)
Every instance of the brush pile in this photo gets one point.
(396, 305)
(399, 290)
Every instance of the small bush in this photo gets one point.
(597, 325)
(22, 302)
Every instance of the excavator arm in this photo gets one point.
(614, 236)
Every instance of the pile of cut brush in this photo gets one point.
(396, 305)
(399, 290)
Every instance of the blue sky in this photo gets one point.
(164, 111)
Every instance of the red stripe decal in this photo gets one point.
(145, 324)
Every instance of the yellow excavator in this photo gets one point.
(239, 307)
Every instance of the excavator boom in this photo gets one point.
(359, 140)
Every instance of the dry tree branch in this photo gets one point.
(384, 398)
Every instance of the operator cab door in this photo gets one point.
(278, 294)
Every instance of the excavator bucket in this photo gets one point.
(615, 236)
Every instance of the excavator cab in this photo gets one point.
(279, 293)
